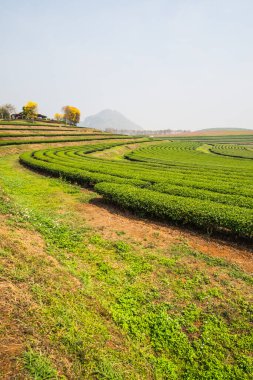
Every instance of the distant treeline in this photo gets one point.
(145, 132)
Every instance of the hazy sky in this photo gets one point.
(164, 64)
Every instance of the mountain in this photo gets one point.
(110, 119)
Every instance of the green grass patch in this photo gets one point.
(39, 366)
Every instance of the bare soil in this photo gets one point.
(111, 222)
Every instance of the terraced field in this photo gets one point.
(90, 292)
(173, 181)
(38, 135)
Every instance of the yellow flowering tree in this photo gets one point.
(30, 110)
(58, 116)
(71, 115)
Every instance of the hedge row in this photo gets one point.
(191, 192)
(206, 215)
(199, 181)
(213, 198)
(61, 133)
(235, 151)
(20, 142)
(79, 176)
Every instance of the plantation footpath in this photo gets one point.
(173, 181)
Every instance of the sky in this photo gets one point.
(181, 64)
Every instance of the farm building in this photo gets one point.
(16, 116)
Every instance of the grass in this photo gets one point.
(117, 152)
(205, 148)
(39, 366)
(98, 308)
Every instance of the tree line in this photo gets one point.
(70, 114)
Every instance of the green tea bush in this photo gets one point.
(207, 215)
(172, 181)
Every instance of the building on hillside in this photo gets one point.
(43, 117)
(16, 116)
(21, 116)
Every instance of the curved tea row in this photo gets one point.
(63, 139)
(239, 151)
(172, 181)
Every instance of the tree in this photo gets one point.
(71, 115)
(6, 110)
(3, 113)
(58, 116)
(30, 110)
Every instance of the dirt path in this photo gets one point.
(111, 223)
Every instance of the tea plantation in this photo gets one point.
(94, 286)
(173, 181)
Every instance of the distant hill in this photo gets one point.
(224, 130)
(220, 132)
(109, 119)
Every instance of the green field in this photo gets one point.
(124, 298)
(174, 181)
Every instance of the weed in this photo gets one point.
(39, 366)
